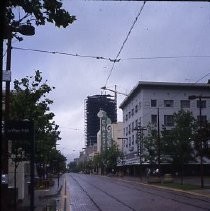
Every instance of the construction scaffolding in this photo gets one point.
(93, 104)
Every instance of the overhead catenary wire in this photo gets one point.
(166, 57)
(65, 53)
(121, 48)
(110, 59)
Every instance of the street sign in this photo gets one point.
(18, 130)
(6, 75)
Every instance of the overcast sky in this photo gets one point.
(163, 29)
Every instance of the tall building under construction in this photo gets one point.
(92, 123)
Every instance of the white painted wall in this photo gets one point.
(143, 101)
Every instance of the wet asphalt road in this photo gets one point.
(99, 193)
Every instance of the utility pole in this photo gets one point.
(158, 138)
(201, 143)
(3, 187)
(140, 137)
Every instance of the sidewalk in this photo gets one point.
(43, 199)
(205, 192)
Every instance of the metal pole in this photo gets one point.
(201, 145)
(32, 167)
(2, 31)
(158, 137)
(8, 68)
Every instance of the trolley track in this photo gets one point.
(140, 188)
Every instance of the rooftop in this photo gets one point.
(162, 85)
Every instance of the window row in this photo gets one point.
(131, 127)
(169, 119)
(183, 103)
(130, 141)
(131, 113)
(167, 104)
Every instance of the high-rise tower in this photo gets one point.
(92, 106)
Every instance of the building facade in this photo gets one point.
(150, 102)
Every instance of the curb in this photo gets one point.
(53, 194)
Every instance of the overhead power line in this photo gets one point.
(121, 48)
(109, 59)
(65, 53)
(202, 78)
(166, 57)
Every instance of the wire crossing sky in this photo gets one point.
(121, 48)
(164, 41)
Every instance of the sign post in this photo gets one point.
(19, 131)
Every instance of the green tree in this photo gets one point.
(29, 101)
(56, 162)
(38, 12)
(202, 140)
(97, 162)
(109, 158)
(178, 141)
(150, 144)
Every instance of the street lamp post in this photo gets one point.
(200, 97)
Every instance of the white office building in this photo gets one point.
(148, 99)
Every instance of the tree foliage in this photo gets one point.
(38, 11)
(175, 144)
(56, 162)
(29, 101)
(109, 158)
(179, 139)
(150, 144)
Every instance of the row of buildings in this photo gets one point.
(147, 103)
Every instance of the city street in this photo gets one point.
(92, 192)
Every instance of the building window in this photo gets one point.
(132, 111)
(136, 138)
(185, 104)
(129, 114)
(201, 104)
(129, 130)
(202, 120)
(139, 105)
(129, 141)
(136, 123)
(132, 139)
(154, 119)
(132, 126)
(136, 108)
(153, 103)
(126, 143)
(126, 131)
(168, 120)
(126, 117)
(168, 103)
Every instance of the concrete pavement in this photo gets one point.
(44, 199)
